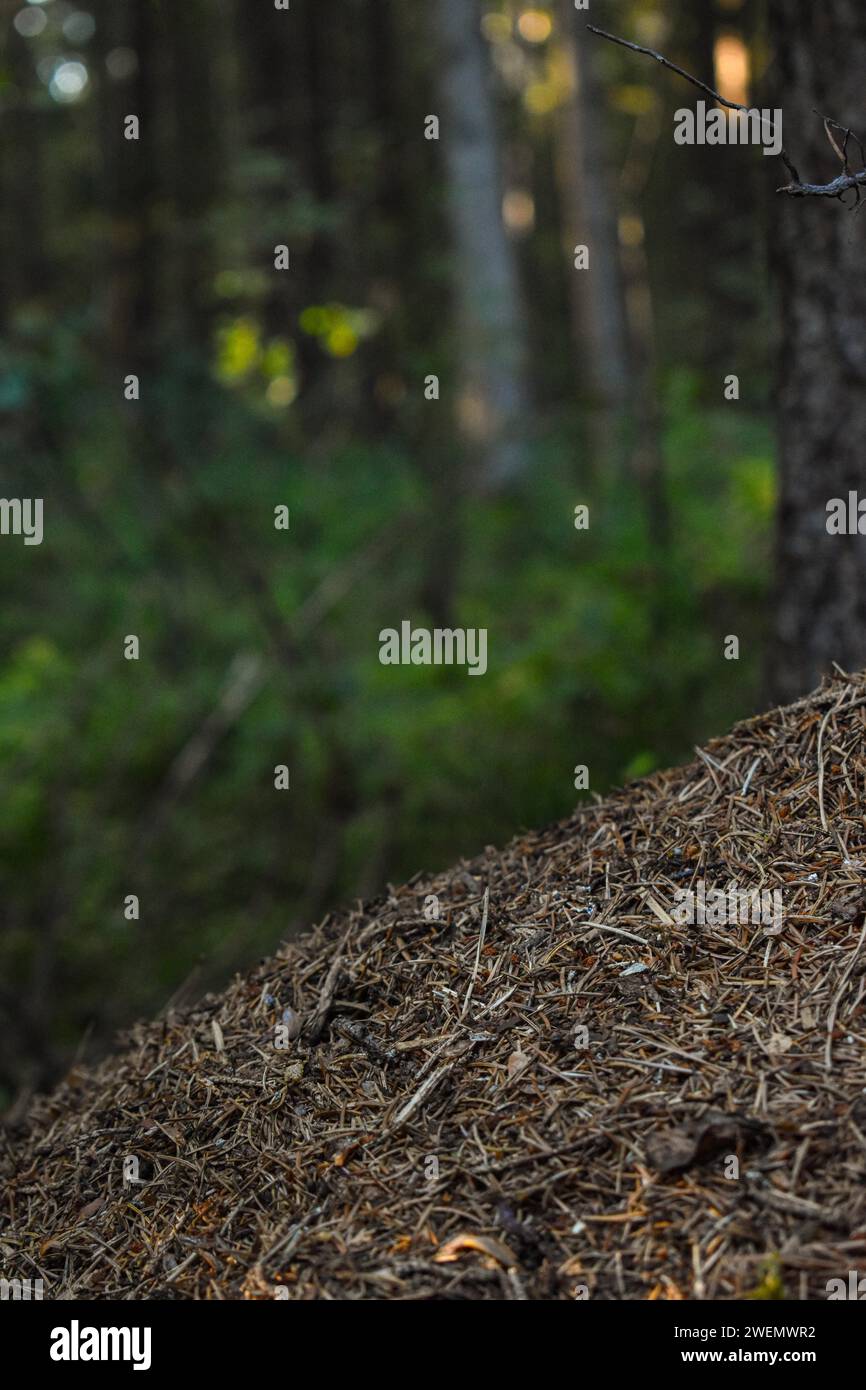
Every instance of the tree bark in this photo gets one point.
(133, 185)
(494, 406)
(196, 167)
(26, 269)
(585, 178)
(819, 613)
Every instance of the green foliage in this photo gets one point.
(603, 648)
(262, 389)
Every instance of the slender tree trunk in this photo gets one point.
(646, 445)
(818, 248)
(598, 308)
(196, 166)
(134, 183)
(26, 270)
(493, 409)
(271, 80)
(396, 256)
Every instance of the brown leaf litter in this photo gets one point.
(540, 1093)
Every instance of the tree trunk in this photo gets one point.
(26, 270)
(133, 186)
(197, 162)
(820, 603)
(585, 178)
(493, 404)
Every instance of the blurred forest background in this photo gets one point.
(408, 257)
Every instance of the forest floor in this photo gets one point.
(528, 1077)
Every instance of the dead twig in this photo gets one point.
(795, 188)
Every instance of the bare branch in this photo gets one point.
(837, 188)
(681, 72)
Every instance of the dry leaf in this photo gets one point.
(493, 1249)
(517, 1062)
(90, 1209)
(293, 1023)
(848, 906)
(678, 1148)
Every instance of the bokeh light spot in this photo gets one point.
(30, 22)
(518, 211)
(68, 81)
(496, 27)
(535, 26)
(121, 63)
(79, 26)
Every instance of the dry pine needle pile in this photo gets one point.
(554, 1089)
